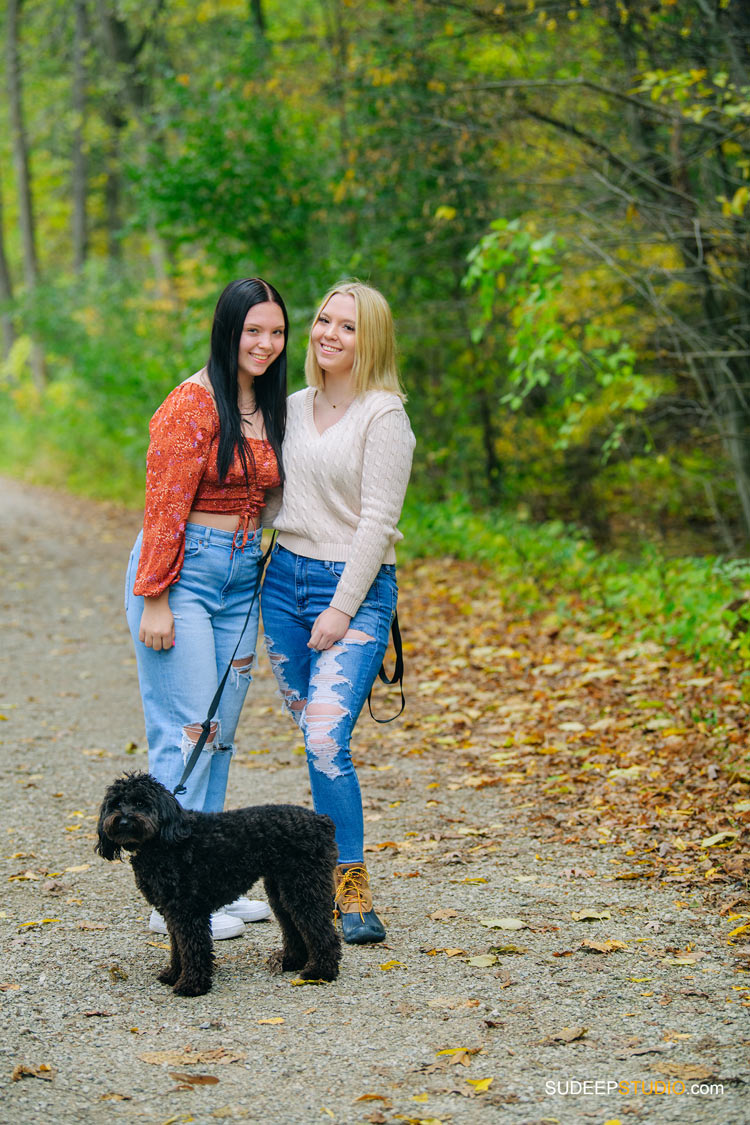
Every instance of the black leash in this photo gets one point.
(398, 672)
(206, 724)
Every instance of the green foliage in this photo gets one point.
(681, 603)
(518, 277)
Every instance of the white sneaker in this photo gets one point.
(248, 909)
(222, 925)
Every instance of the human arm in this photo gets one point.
(386, 467)
(157, 623)
(181, 434)
(272, 506)
(329, 626)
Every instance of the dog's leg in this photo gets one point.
(172, 972)
(293, 953)
(307, 902)
(192, 936)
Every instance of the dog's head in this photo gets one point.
(136, 809)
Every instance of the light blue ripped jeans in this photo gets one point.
(325, 691)
(209, 603)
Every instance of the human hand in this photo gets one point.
(157, 623)
(329, 627)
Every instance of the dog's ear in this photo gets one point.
(105, 847)
(174, 825)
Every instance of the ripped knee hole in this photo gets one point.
(193, 732)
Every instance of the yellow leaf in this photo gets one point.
(78, 868)
(273, 1019)
(482, 960)
(388, 965)
(590, 915)
(459, 1050)
(739, 930)
(481, 1085)
(721, 838)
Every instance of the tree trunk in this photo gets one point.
(78, 178)
(20, 147)
(23, 176)
(258, 17)
(6, 292)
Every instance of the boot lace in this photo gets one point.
(354, 888)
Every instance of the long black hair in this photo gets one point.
(270, 387)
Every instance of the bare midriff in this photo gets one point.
(224, 521)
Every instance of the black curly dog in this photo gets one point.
(188, 864)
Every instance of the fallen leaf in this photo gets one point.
(40, 1071)
(568, 1035)
(718, 839)
(590, 915)
(602, 946)
(683, 1070)
(274, 1020)
(188, 1055)
(482, 960)
(445, 912)
(481, 1085)
(388, 965)
(194, 1079)
(503, 923)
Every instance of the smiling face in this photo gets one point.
(262, 340)
(334, 335)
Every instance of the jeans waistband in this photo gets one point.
(217, 535)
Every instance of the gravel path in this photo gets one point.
(413, 1030)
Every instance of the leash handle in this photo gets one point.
(398, 673)
(206, 724)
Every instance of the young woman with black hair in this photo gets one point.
(215, 451)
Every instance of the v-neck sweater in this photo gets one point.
(345, 487)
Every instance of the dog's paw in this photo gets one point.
(191, 988)
(281, 962)
(170, 975)
(319, 972)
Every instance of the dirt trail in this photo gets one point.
(414, 1030)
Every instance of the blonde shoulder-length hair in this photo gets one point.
(375, 367)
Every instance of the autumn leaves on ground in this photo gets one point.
(629, 746)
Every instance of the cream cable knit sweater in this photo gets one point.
(344, 488)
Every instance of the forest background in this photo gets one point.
(554, 197)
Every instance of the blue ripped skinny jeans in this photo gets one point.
(325, 691)
(209, 604)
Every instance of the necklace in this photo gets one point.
(336, 405)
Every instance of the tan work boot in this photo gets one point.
(353, 900)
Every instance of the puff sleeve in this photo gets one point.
(181, 434)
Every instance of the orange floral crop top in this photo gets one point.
(182, 474)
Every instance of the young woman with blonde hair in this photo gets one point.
(330, 590)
